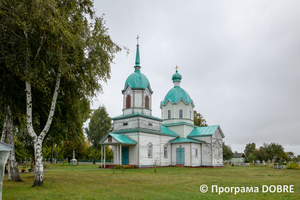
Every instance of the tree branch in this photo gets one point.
(52, 109)
(38, 51)
(11, 31)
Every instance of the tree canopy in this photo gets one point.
(198, 119)
(52, 45)
(99, 126)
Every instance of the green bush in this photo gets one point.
(23, 170)
(30, 170)
(99, 166)
(293, 165)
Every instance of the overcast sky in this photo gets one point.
(239, 62)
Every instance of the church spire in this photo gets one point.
(137, 57)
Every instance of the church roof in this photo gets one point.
(176, 94)
(137, 80)
(136, 114)
(185, 140)
(176, 76)
(205, 131)
(168, 131)
(122, 139)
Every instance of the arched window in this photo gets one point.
(165, 151)
(128, 101)
(180, 113)
(147, 102)
(169, 114)
(150, 150)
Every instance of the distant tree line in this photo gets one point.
(273, 152)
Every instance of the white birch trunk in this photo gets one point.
(38, 140)
(8, 132)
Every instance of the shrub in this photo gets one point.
(99, 166)
(30, 170)
(23, 170)
(293, 165)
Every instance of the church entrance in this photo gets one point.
(180, 156)
(125, 155)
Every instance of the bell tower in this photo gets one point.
(137, 93)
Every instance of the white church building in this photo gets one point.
(172, 140)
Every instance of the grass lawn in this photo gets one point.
(73, 182)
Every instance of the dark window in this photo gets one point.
(180, 113)
(165, 151)
(150, 150)
(125, 124)
(147, 102)
(149, 124)
(109, 139)
(128, 101)
(169, 114)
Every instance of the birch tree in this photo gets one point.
(49, 42)
(8, 135)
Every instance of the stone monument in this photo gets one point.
(73, 161)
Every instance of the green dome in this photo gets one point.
(137, 80)
(175, 94)
(176, 76)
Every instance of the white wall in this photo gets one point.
(175, 112)
(187, 150)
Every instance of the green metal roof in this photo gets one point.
(176, 94)
(137, 57)
(137, 80)
(164, 131)
(136, 114)
(123, 139)
(176, 76)
(179, 124)
(185, 140)
(167, 131)
(204, 131)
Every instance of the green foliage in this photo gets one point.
(248, 150)
(20, 151)
(293, 165)
(99, 126)
(227, 152)
(198, 119)
(275, 151)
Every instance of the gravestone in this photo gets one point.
(73, 161)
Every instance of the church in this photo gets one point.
(138, 138)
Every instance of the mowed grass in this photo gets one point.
(74, 182)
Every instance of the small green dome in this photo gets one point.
(176, 76)
(175, 94)
(137, 80)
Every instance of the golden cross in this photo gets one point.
(137, 38)
(176, 67)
